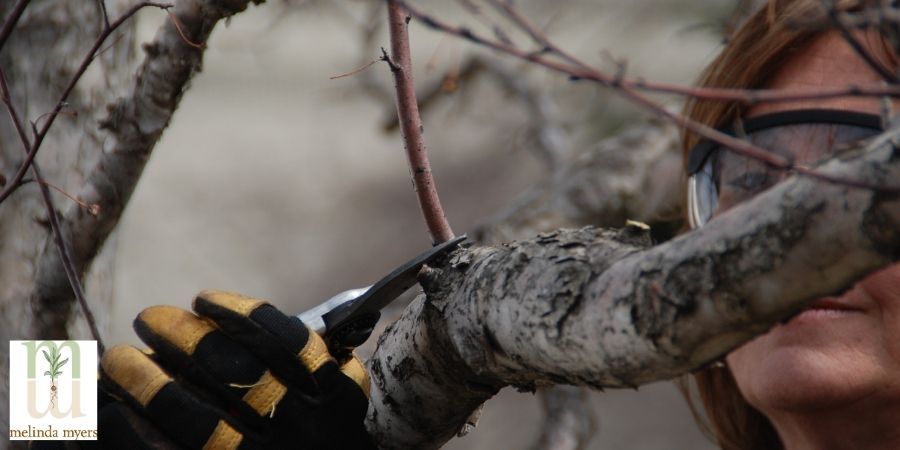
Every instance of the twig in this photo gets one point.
(93, 209)
(111, 44)
(181, 32)
(62, 247)
(535, 32)
(357, 70)
(390, 62)
(66, 255)
(745, 96)
(10, 22)
(629, 87)
(51, 116)
(104, 13)
(411, 125)
(16, 180)
(134, 124)
(433, 91)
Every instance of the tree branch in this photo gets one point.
(583, 71)
(610, 312)
(135, 124)
(411, 125)
(11, 20)
(630, 89)
(62, 247)
(548, 138)
(60, 104)
(628, 176)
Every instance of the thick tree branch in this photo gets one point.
(135, 124)
(400, 62)
(628, 176)
(595, 308)
(73, 81)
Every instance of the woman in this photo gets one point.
(829, 377)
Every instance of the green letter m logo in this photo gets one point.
(33, 348)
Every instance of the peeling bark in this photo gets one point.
(627, 176)
(601, 308)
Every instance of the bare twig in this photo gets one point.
(62, 246)
(745, 96)
(357, 70)
(16, 180)
(629, 88)
(11, 20)
(536, 34)
(135, 123)
(65, 254)
(433, 91)
(411, 125)
(93, 209)
(369, 33)
(187, 40)
(51, 116)
(104, 13)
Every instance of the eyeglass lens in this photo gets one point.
(739, 178)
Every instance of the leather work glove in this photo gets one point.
(235, 374)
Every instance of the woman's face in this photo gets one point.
(845, 350)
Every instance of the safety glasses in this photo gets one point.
(719, 179)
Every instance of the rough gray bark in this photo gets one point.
(628, 176)
(599, 308)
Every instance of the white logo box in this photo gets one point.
(53, 390)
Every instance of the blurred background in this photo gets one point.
(278, 182)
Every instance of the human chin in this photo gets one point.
(819, 359)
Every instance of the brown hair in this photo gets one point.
(750, 58)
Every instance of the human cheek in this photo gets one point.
(883, 288)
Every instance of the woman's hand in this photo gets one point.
(234, 374)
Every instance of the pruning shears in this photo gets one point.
(347, 319)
